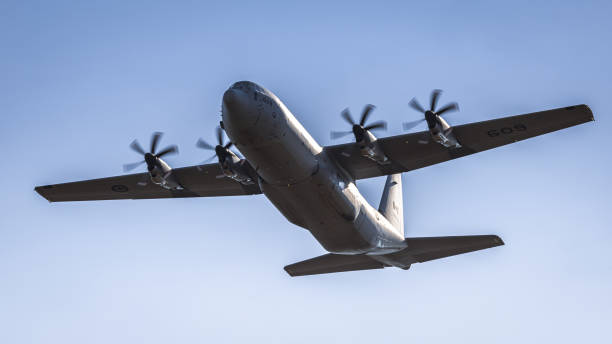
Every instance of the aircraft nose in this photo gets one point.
(233, 100)
(238, 110)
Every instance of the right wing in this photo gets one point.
(197, 181)
(416, 150)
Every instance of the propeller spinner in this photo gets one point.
(150, 158)
(432, 114)
(359, 129)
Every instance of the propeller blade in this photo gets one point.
(416, 105)
(129, 167)
(377, 125)
(338, 134)
(168, 150)
(346, 114)
(137, 147)
(410, 125)
(209, 159)
(220, 136)
(366, 113)
(204, 145)
(228, 145)
(448, 107)
(435, 94)
(155, 140)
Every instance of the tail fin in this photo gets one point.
(391, 203)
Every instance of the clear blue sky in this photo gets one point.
(79, 81)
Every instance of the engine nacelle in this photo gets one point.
(165, 181)
(161, 174)
(238, 169)
(445, 138)
(369, 148)
(442, 133)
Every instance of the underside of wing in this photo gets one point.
(330, 262)
(196, 181)
(413, 151)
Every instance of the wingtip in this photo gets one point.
(498, 241)
(587, 110)
(40, 191)
(288, 271)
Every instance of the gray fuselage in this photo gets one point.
(305, 184)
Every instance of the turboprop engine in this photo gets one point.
(441, 132)
(160, 172)
(368, 145)
(232, 166)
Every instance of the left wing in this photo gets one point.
(413, 151)
(197, 181)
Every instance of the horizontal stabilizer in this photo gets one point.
(420, 250)
(333, 263)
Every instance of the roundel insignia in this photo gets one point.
(119, 188)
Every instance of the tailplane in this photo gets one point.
(391, 203)
(418, 250)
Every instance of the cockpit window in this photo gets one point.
(240, 86)
(248, 86)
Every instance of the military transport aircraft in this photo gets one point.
(314, 186)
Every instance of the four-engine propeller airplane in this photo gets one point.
(314, 186)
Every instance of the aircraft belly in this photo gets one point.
(281, 163)
(309, 205)
(298, 177)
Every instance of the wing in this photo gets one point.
(417, 150)
(330, 262)
(197, 181)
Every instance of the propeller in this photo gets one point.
(221, 149)
(151, 157)
(359, 129)
(432, 113)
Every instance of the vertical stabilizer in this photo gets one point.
(391, 203)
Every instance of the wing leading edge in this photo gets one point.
(413, 151)
(197, 181)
